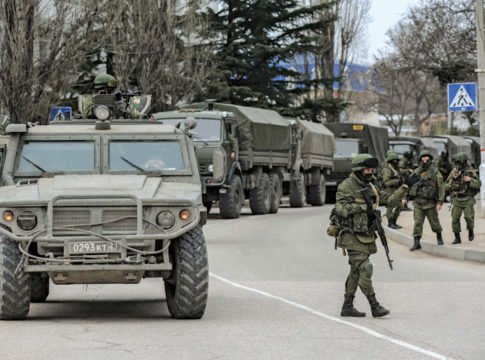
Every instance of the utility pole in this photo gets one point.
(481, 94)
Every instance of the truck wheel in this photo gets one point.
(260, 197)
(276, 190)
(187, 289)
(231, 202)
(39, 284)
(297, 191)
(317, 193)
(14, 288)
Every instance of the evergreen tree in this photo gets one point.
(256, 41)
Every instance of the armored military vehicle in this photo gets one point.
(352, 139)
(266, 156)
(86, 203)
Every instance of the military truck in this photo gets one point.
(352, 139)
(401, 144)
(474, 142)
(452, 144)
(266, 155)
(100, 203)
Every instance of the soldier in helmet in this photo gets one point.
(406, 167)
(105, 84)
(391, 180)
(428, 192)
(463, 184)
(443, 164)
(354, 234)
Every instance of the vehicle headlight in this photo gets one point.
(210, 168)
(101, 112)
(27, 220)
(166, 219)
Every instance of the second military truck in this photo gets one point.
(266, 156)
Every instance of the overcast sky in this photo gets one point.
(384, 14)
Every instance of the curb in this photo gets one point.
(447, 251)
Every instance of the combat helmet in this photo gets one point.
(460, 158)
(105, 81)
(391, 155)
(425, 152)
(363, 161)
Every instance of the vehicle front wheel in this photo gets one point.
(14, 288)
(276, 192)
(317, 193)
(187, 289)
(231, 202)
(298, 192)
(260, 196)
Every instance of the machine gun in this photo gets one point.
(375, 221)
(121, 105)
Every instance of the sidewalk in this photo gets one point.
(467, 250)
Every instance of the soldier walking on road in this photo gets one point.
(391, 181)
(354, 234)
(463, 184)
(428, 192)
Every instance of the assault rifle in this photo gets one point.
(375, 220)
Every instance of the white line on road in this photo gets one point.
(334, 319)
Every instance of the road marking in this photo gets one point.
(334, 319)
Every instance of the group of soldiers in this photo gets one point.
(352, 220)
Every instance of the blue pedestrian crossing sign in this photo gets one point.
(60, 113)
(462, 97)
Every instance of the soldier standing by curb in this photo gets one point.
(354, 234)
(463, 184)
(392, 180)
(428, 192)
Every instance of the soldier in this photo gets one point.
(443, 164)
(406, 167)
(105, 84)
(354, 235)
(463, 184)
(391, 180)
(428, 192)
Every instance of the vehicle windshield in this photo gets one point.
(37, 157)
(402, 148)
(145, 156)
(346, 148)
(206, 130)
(440, 145)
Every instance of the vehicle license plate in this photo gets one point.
(93, 247)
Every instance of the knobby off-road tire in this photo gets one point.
(298, 192)
(231, 202)
(188, 287)
(317, 193)
(14, 288)
(260, 197)
(39, 284)
(276, 191)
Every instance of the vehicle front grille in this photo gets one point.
(119, 220)
(71, 218)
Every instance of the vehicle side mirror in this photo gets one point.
(218, 165)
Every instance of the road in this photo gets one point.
(276, 290)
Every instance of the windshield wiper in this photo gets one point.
(132, 164)
(33, 164)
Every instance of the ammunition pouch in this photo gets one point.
(424, 189)
(332, 230)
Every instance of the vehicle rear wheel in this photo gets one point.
(276, 191)
(260, 196)
(317, 193)
(298, 191)
(14, 288)
(39, 284)
(187, 289)
(231, 202)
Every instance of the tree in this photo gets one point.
(162, 52)
(42, 44)
(255, 41)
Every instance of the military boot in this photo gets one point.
(416, 245)
(393, 225)
(457, 239)
(471, 235)
(439, 238)
(377, 309)
(348, 308)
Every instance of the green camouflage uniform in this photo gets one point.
(443, 165)
(463, 196)
(354, 234)
(391, 181)
(427, 193)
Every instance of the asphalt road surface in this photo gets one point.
(276, 290)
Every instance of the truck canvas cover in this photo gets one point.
(317, 144)
(260, 129)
